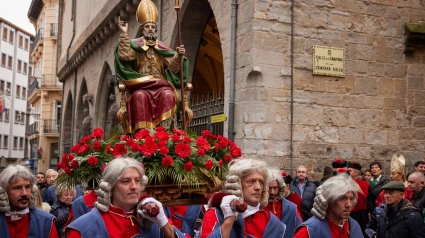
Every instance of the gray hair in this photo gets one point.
(13, 172)
(244, 167)
(333, 189)
(52, 170)
(60, 188)
(116, 168)
(276, 175)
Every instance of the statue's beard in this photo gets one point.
(149, 36)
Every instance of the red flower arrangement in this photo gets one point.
(165, 155)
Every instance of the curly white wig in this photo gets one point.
(330, 191)
(241, 168)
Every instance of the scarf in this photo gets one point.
(18, 215)
(250, 211)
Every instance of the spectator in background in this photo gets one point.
(420, 166)
(378, 180)
(399, 218)
(289, 195)
(327, 173)
(361, 209)
(50, 196)
(416, 183)
(306, 189)
(41, 181)
(51, 176)
(60, 207)
(367, 175)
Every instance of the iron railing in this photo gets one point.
(33, 129)
(50, 126)
(38, 37)
(33, 86)
(50, 81)
(203, 108)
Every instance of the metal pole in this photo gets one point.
(177, 8)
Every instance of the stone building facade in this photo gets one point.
(376, 110)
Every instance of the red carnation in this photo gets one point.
(124, 138)
(148, 149)
(228, 158)
(164, 150)
(74, 164)
(118, 136)
(182, 150)
(96, 146)
(130, 141)
(149, 139)
(179, 132)
(98, 133)
(65, 158)
(135, 147)
(92, 161)
(67, 171)
(119, 150)
(75, 148)
(236, 152)
(187, 139)
(141, 134)
(206, 133)
(162, 135)
(216, 147)
(59, 166)
(167, 161)
(162, 143)
(220, 162)
(188, 166)
(223, 142)
(175, 138)
(209, 164)
(160, 128)
(83, 149)
(108, 149)
(70, 156)
(201, 152)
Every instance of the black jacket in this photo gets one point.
(308, 197)
(378, 186)
(407, 223)
(419, 200)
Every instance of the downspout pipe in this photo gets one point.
(291, 147)
(74, 7)
(234, 20)
(160, 19)
(56, 72)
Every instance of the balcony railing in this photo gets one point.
(50, 81)
(33, 86)
(51, 126)
(38, 37)
(53, 29)
(33, 129)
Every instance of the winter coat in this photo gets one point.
(419, 200)
(407, 223)
(308, 197)
(372, 226)
(61, 212)
(376, 190)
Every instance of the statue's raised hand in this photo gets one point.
(181, 50)
(122, 25)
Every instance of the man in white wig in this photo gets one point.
(285, 210)
(19, 216)
(331, 209)
(246, 182)
(119, 203)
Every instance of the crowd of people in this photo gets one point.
(256, 201)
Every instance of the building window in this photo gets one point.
(26, 44)
(6, 115)
(8, 88)
(24, 93)
(2, 87)
(19, 66)
(25, 68)
(21, 143)
(17, 117)
(15, 142)
(30, 70)
(18, 91)
(22, 118)
(4, 34)
(9, 62)
(21, 41)
(11, 37)
(1, 118)
(5, 141)
(3, 60)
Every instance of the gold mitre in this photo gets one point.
(397, 164)
(147, 12)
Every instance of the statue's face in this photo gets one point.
(149, 27)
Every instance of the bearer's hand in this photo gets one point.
(225, 206)
(181, 50)
(123, 26)
(160, 220)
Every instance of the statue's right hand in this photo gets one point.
(122, 25)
